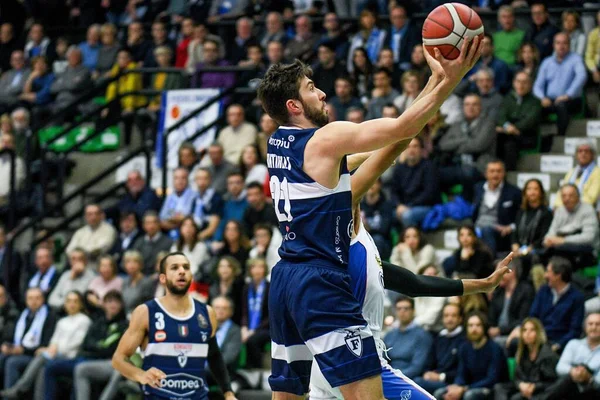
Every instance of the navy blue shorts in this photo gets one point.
(313, 313)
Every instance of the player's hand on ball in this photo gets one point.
(152, 377)
(456, 69)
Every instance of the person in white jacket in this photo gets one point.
(412, 253)
(428, 310)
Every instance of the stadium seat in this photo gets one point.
(512, 365)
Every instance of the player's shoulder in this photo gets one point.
(139, 316)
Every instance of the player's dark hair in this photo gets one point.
(406, 299)
(163, 262)
(561, 266)
(280, 84)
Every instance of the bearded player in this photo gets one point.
(177, 336)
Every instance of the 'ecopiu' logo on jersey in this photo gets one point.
(278, 143)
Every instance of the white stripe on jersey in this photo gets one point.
(333, 340)
(313, 190)
(175, 349)
(289, 354)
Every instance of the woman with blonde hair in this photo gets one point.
(411, 86)
(137, 288)
(229, 283)
(571, 25)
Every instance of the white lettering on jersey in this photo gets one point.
(277, 143)
(278, 162)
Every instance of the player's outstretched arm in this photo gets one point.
(215, 360)
(131, 340)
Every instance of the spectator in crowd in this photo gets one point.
(413, 252)
(243, 39)
(389, 111)
(508, 39)
(64, 344)
(518, 122)
(383, 93)
(196, 47)
(302, 45)
(362, 73)
(344, 99)
(90, 49)
(139, 197)
(229, 337)
(36, 91)
(510, 304)
(442, 365)
(10, 267)
(386, 60)
(472, 258)
(12, 81)
(9, 314)
(95, 237)
(71, 83)
(46, 276)
(188, 243)
(274, 30)
(137, 43)
(495, 208)
(235, 202)
(571, 25)
(8, 142)
(585, 175)
(106, 281)
(229, 283)
(541, 30)
(355, 115)
(222, 9)
(267, 127)
(235, 243)
(178, 204)
(327, 69)
(559, 82)
(266, 245)
(377, 216)
(592, 51)
(415, 185)
(255, 312)
(188, 159)
(501, 71)
(237, 134)
(59, 61)
(528, 59)
(160, 38)
(78, 279)
(481, 364)
(579, 365)
(211, 58)
(128, 234)
(161, 81)
(574, 230)
(408, 344)
(21, 123)
(219, 167)
(419, 63)
(254, 58)
(428, 310)
(93, 363)
(208, 205)
(152, 242)
(491, 100)
(275, 52)
(137, 286)
(259, 211)
(535, 365)
(370, 37)
(401, 36)
(183, 42)
(32, 331)
(8, 43)
(107, 54)
(38, 44)
(334, 34)
(252, 165)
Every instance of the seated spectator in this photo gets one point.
(128, 234)
(90, 49)
(592, 51)
(408, 344)
(137, 287)
(152, 242)
(211, 55)
(235, 243)
(491, 100)
(229, 337)
(528, 59)
(252, 165)
(413, 252)
(508, 39)
(579, 365)
(411, 86)
(107, 55)
(77, 279)
(472, 258)
(188, 159)
(32, 331)
(13, 81)
(386, 60)
(59, 61)
(178, 204)
(355, 115)
(500, 70)
(266, 245)
(255, 312)
(106, 281)
(428, 310)
(415, 185)
(9, 314)
(275, 53)
(362, 73)
(64, 344)
(139, 197)
(401, 36)
(8, 142)
(237, 134)
(21, 123)
(161, 81)
(254, 58)
(302, 44)
(274, 29)
(10, 267)
(542, 31)
(46, 276)
(259, 211)
(160, 38)
(229, 283)
(518, 122)
(137, 44)
(219, 168)
(95, 237)
(559, 82)
(267, 127)
(442, 366)
(495, 208)
(383, 93)
(377, 216)
(196, 47)
(183, 42)
(509, 305)
(343, 99)
(93, 363)
(419, 63)
(243, 39)
(574, 230)
(9, 42)
(70, 84)
(327, 69)
(481, 364)
(38, 44)
(208, 205)
(535, 366)
(369, 37)
(571, 25)
(585, 175)
(188, 243)
(36, 90)
(434, 126)
(235, 202)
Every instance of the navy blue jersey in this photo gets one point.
(178, 347)
(315, 222)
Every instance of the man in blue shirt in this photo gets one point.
(235, 203)
(401, 37)
(502, 74)
(560, 82)
(91, 47)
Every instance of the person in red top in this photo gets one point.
(181, 52)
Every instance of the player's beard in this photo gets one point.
(317, 116)
(174, 290)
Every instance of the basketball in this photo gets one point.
(446, 27)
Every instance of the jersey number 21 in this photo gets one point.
(280, 191)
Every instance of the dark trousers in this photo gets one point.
(580, 255)
(508, 147)
(255, 346)
(466, 175)
(565, 388)
(509, 391)
(563, 111)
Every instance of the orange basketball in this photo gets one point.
(446, 27)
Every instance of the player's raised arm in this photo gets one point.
(131, 340)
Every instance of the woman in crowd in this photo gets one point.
(266, 245)
(235, 243)
(107, 55)
(528, 59)
(195, 250)
(536, 365)
(137, 288)
(411, 87)
(106, 281)
(252, 166)
(413, 253)
(362, 74)
(571, 25)
(229, 283)
(428, 310)
(255, 312)
(369, 38)
(472, 259)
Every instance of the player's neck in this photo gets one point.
(301, 122)
(179, 305)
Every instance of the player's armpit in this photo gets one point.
(130, 341)
(354, 161)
